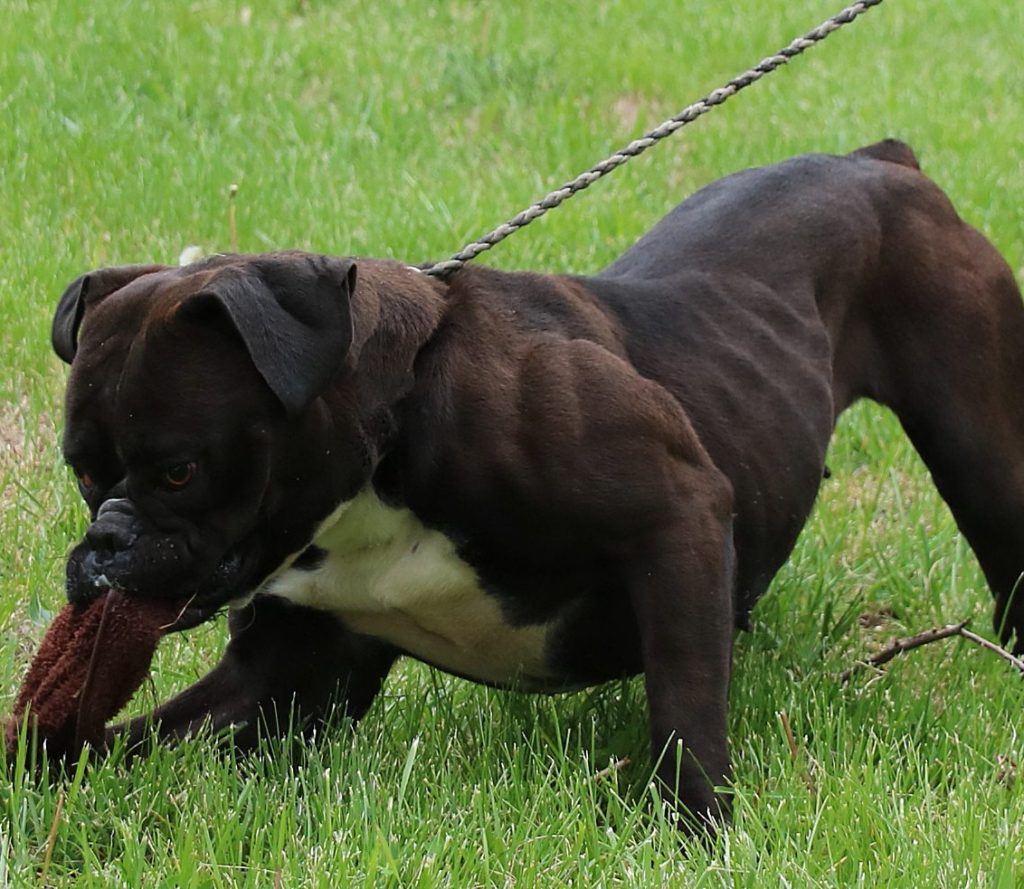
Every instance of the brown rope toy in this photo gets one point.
(92, 660)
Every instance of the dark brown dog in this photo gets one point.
(534, 479)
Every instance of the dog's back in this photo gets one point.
(892, 150)
(914, 307)
(778, 221)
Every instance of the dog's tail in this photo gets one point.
(891, 150)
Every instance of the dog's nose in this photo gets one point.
(116, 528)
(107, 554)
(115, 505)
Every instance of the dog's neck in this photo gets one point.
(395, 312)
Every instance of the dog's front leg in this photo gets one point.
(285, 666)
(681, 590)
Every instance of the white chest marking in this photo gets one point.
(386, 575)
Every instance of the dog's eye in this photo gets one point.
(179, 475)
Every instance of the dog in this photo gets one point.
(539, 481)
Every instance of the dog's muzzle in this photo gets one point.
(105, 557)
(121, 551)
(116, 527)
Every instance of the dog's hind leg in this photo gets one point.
(947, 326)
(285, 667)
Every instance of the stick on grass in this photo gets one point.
(933, 635)
(794, 750)
(51, 839)
(611, 769)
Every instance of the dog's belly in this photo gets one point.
(386, 575)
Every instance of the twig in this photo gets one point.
(86, 728)
(794, 750)
(932, 635)
(784, 719)
(51, 839)
(614, 767)
(184, 608)
(902, 645)
(991, 646)
(232, 225)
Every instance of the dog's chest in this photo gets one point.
(386, 575)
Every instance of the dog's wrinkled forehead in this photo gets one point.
(146, 368)
(110, 320)
(290, 311)
(116, 327)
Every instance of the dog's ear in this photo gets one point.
(293, 312)
(87, 290)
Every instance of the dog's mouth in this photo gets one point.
(225, 585)
(192, 615)
(91, 574)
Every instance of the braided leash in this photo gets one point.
(447, 267)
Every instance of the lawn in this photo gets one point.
(405, 129)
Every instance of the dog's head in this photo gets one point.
(194, 422)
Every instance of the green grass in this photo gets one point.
(405, 129)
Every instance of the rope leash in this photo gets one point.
(690, 113)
